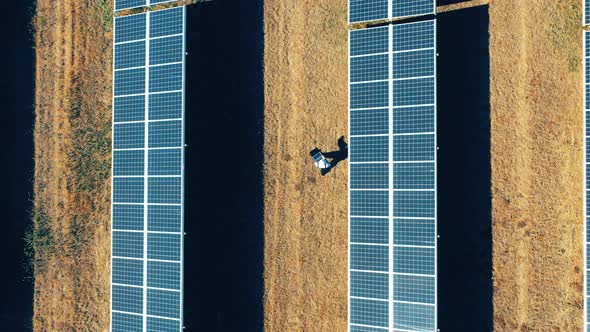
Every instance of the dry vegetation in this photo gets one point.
(536, 98)
(305, 213)
(536, 103)
(71, 235)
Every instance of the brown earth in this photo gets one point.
(536, 104)
(305, 214)
(71, 235)
(536, 100)
(536, 118)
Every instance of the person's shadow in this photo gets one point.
(336, 156)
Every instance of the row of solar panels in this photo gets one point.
(392, 180)
(375, 10)
(130, 4)
(147, 174)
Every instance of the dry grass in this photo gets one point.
(305, 213)
(536, 99)
(535, 51)
(71, 235)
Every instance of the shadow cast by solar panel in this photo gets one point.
(449, 2)
(464, 171)
(224, 133)
(18, 91)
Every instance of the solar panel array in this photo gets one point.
(131, 4)
(392, 226)
(374, 10)
(147, 183)
(586, 18)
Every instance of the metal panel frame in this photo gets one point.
(390, 182)
(146, 121)
(147, 4)
(390, 13)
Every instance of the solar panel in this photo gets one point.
(148, 172)
(392, 179)
(586, 43)
(586, 12)
(131, 4)
(375, 10)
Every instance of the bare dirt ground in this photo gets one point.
(536, 102)
(536, 121)
(71, 236)
(305, 213)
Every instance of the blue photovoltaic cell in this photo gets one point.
(369, 68)
(413, 317)
(128, 299)
(413, 36)
(413, 120)
(126, 322)
(165, 162)
(130, 55)
(130, 108)
(367, 10)
(393, 150)
(369, 121)
(129, 81)
(418, 204)
(166, 22)
(586, 13)
(369, 95)
(413, 232)
(369, 203)
(369, 176)
(413, 64)
(128, 136)
(149, 168)
(405, 8)
(127, 271)
(369, 41)
(418, 91)
(369, 312)
(372, 148)
(164, 218)
(153, 2)
(162, 325)
(165, 134)
(128, 162)
(164, 246)
(413, 260)
(369, 230)
(419, 147)
(129, 28)
(370, 285)
(166, 78)
(127, 244)
(369, 257)
(127, 4)
(413, 289)
(357, 328)
(413, 176)
(128, 190)
(166, 50)
(165, 106)
(164, 190)
(163, 303)
(164, 275)
(128, 217)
